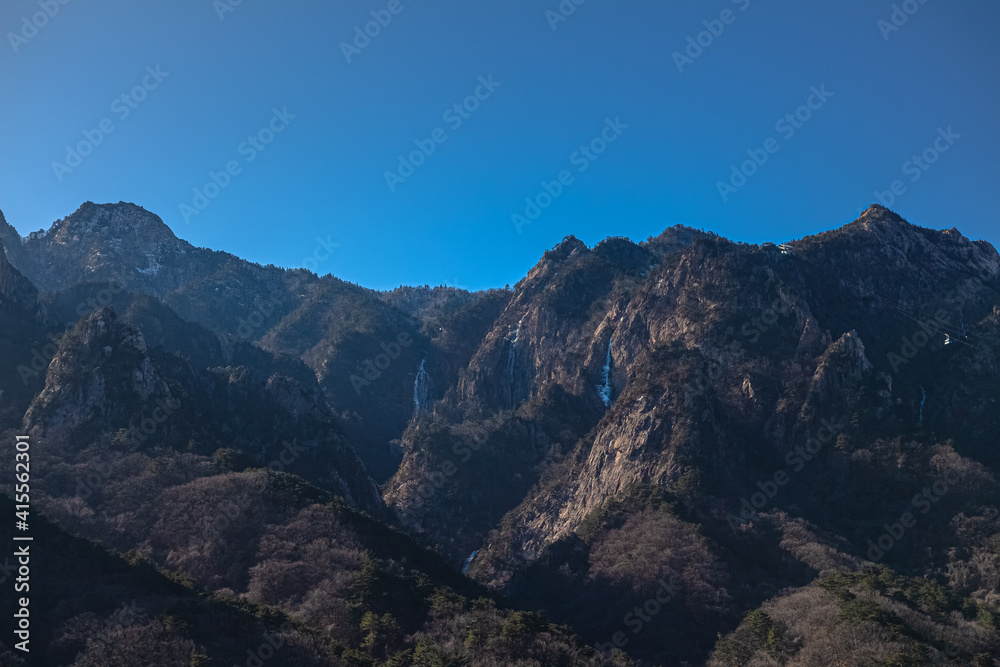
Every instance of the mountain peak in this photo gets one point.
(876, 214)
(101, 374)
(100, 242)
(675, 239)
(123, 219)
(875, 221)
(565, 249)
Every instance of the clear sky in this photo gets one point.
(889, 95)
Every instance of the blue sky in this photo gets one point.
(889, 95)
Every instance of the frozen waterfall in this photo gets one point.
(468, 561)
(421, 387)
(512, 337)
(604, 389)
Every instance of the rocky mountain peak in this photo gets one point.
(104, 329)
(122, 220)
(566, 248)
(888, 248)
(884, 224)
(103, 242)
(100, 373)
(674, 239)
(556, 258)
(879, 213)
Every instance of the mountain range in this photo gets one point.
(681, 451)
